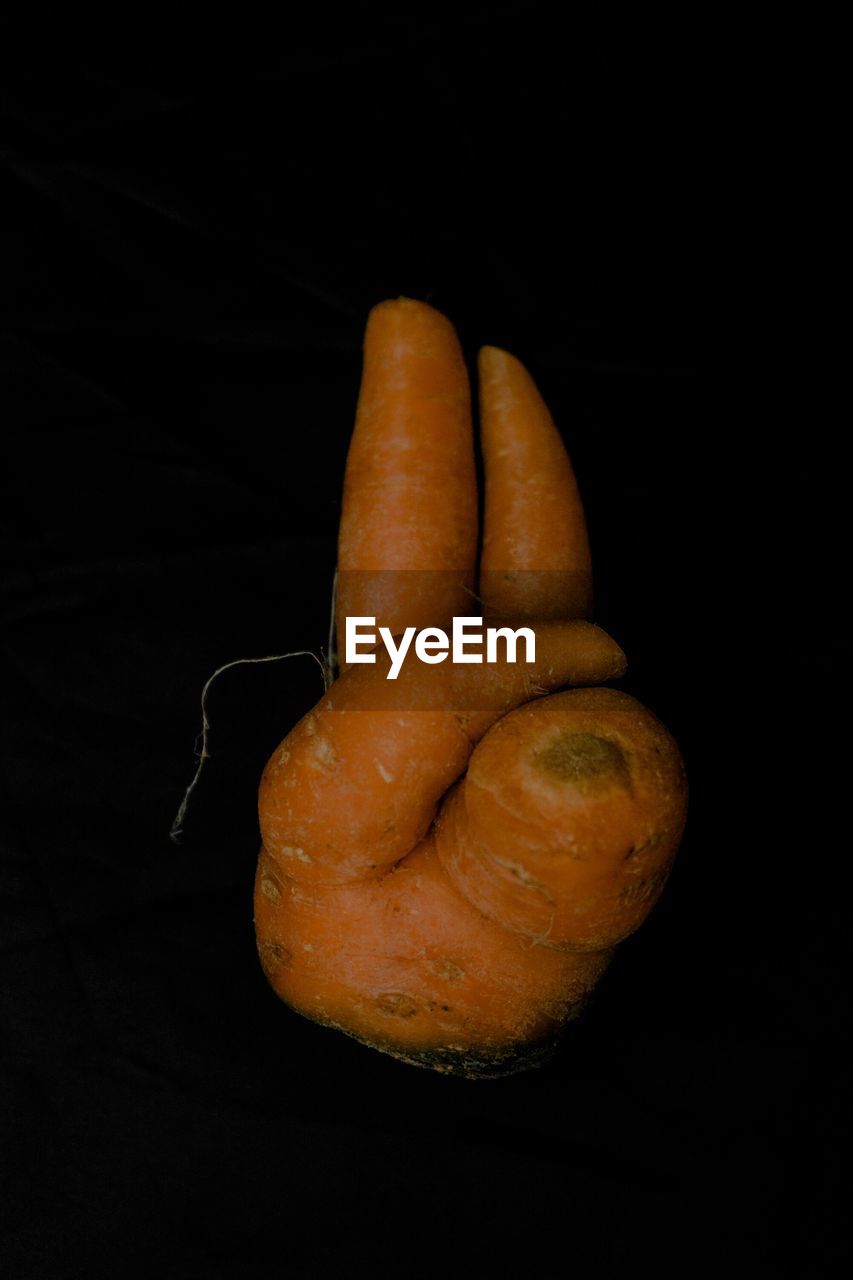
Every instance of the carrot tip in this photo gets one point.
(494, 357)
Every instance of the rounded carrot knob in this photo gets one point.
(568, 818)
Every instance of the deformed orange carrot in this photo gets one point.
(468, 953)
(535, 561)
(449, 858)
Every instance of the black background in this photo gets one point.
(195, 240)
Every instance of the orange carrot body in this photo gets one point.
(449, 858)
(406, 965)
(408, 537)
(355, 784)
(568, 818)
(535, 561)
(470, 951)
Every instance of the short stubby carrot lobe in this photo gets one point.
(568, 819)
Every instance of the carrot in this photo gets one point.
(469, 952)
(407, 966)
(535, 561)
(355, 784)
(580, 799)
(450, 857)
(408, 536)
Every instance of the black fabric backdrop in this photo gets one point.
(193, 243)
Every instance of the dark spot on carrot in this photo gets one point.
(487, 1063)
(270, 890)
(584, 759)
(396, 1004)
(274, 956)
(643, 890)
(647, 845)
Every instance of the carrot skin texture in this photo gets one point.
(567, 821)
(535, 559)
(355, 785)
(474, 949)
(407, 966)
(450, 858)
(407, 547)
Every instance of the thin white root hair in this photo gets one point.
(331, 673)
(177, 828)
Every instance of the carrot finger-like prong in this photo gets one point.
(535, 560)
(408, 537)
